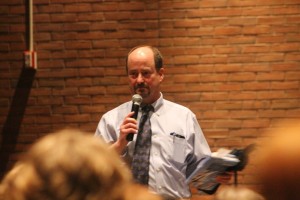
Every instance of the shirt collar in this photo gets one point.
(158, 104)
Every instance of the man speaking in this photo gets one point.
(168, 141)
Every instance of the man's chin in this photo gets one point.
(142, 92)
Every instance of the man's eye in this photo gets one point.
(146, 74)
(133, 74)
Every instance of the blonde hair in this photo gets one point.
(140, 192)
(237, 193)
(68, 165)
(279, 163)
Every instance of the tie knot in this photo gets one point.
(147, 108)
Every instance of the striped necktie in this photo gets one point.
(140, 161)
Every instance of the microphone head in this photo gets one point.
(137, 99)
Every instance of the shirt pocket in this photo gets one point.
(173, 149)
(179, 146)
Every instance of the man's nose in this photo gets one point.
(140, 78)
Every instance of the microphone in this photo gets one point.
(136, 102)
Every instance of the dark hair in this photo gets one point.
(158, 58)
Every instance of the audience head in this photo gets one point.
(68, 165)
(279, 165)
(237, 193)
(140, 192)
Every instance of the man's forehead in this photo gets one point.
(142, 51)
(141, 56)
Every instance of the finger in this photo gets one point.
(129, 119)
(129, 127)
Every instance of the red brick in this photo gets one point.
(286, 66)
(228, 105)
(76, 27)
(220, 77)
(65, 17)
(242, 40)
(77, 8)
(213, 3)
(57, 73)
(70, 91)
(187, 97)
(261, 29)
(213, 59)
(285, 85)
(292, 76)
(96, 90)
(215, 21)
(50, 8)
(271, 57)
(174, 88)
(77, 100)
(51, 83)
(256, 49)
(201, 88)
(92, 109)
(256, 86)
(242, 3)
(271, 20)
(44, 100)
(117, 90)
(215, 114)
(244, 77)
(293, 38)
(78, 82)
(45, 64)
(187, 23)
(53, 119)
(115, 72)
(243, 114)
(188, 59)
(293, 57)
(227, 50)
(38, 110)
(275, 76)
(286, 47)
(51, 46)
(242, 95)
(43, 37)
(228, 123)
(271, 39)
(65, 110)
(228, 30)
(79, 118)
(256, 123)
(211, 96)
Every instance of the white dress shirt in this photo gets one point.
(178, 144)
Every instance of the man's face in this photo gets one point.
(143, 77)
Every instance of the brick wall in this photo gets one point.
(235, 63)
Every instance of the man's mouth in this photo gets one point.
(141, 89)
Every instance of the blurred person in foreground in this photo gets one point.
(69, 165)
(177, 141)
(237, 193)
(279, 162)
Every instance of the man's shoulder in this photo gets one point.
(172, 105)
(124, 107)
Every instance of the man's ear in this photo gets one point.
(161, 73)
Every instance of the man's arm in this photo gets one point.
(129, 125)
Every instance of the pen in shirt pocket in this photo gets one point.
(177, 135)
